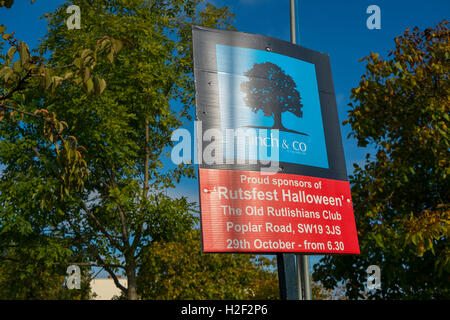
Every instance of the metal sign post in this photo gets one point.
(304, 287)
(287, 280)
(289, 272)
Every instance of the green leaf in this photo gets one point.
(446, 116)
(4, 70)
(110, 56)
(100, 85)
(87, 74)
(68, 75)
(77, 62)
(8, 74)
(17, 66)
(11, 52)
(398, 66)
(24, 52)
(6, 36)
(117, 45)
(85, 53)
(89, 85)
(47, 79)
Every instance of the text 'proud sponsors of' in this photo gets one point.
(243, 211)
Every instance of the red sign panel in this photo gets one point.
(245, 211)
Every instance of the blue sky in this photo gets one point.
(337, 28)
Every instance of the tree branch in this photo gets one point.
(102, 228)
(17, 88)
(4, 106)
(147, 159)
(113, 275)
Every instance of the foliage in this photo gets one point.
(20, 76)
(179, 270)
(41, 164)
(319, 292)
(36, 271)
(401, 195)
(109, 216)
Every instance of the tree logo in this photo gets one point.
(272, 91)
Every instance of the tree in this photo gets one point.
(273, 91)
(33, 261)
(179, 270)
(401, 195)
(121, 208)
(319, 292)
(36, 272)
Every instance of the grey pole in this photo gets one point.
(286, 276)
(304, 285)
(288, 271)
(293, 33)
(304, 270)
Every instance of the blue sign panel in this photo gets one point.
(267, 102)
(263, 91)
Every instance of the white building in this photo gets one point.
(105, 289)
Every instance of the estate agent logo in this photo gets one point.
(272, 91)
(264, 92)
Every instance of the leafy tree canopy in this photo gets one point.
(401, 194)
(179, 270)
(83, 164)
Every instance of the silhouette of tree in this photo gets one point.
(273, 91)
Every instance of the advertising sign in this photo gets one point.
(271, 165)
